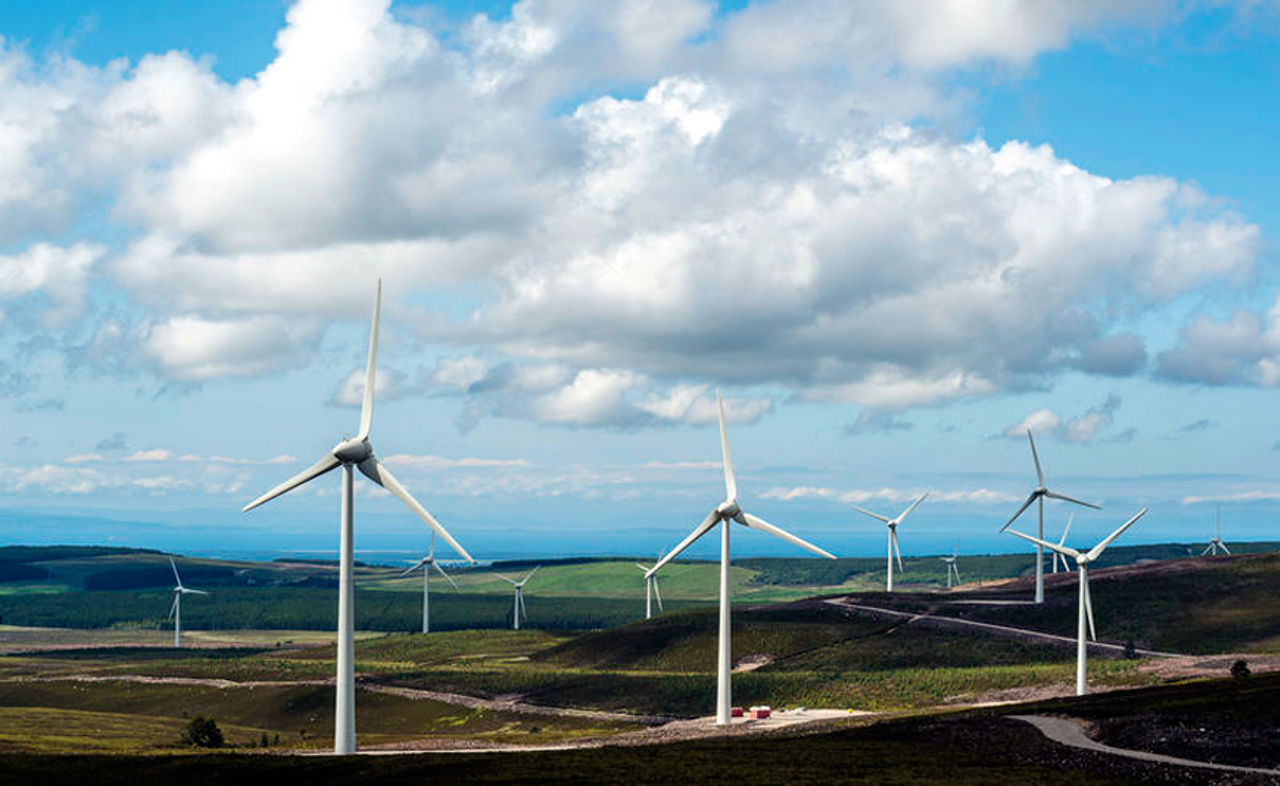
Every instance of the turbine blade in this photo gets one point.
(524, 613)
(1025, 505)
(508, 578)
(186, 591)
(1098, 549)
(1064, 550)
(1088, 603)
(416, 565)
(176, 577)
(366, 406)
(755, 522)
(710, 521)
(173, 607)
(885, 519)
(310, 473)
(642, 567)
(913, 506)
(657, 594)
(730, 485)
(1065, 498)
(447, 577)
(1207, 549)
(1067, 529)
(1035, 456)
(530, 575)
(375, 471)
(897, 550)
(1224, 548)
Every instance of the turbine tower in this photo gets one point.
(175, 611)
(1037, 495)
(354, 452)
(427, 563)
(1217, 544)
(517, 608)
(892, 524)
(725, 512)
(650, 590)
(1056, 557)
(1086, 604)
(952, 570)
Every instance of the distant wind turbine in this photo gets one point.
(952, 570)
(892, 524)
(427, 563)
(1037, 495)
(1217, 544)
(517, 609)
(1056, 557)
(725, 512)
(175, 611)
(1086, 604)
(355, 452)
(650, 590)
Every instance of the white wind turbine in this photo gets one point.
(952, 570)
(517, 608)
(354, 452)
(1055, 557)
(1216, 544)
(1037, 495)
(427, 563)
(724, 513)
(1086, 604)
(892, 524)
(175, 611)
(650, 590)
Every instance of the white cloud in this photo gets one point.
(388, 385)
(155, 454)
(441, 462)
(980, 496)
(1243, 349)
(60, 274)
(83, 458)
(194, 349)
(1080, 429)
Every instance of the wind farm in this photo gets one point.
(569, 254)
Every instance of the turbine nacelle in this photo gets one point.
(729, 509)
(353, 451)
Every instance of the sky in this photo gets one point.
(895, 235)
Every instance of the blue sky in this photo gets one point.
(892, 237)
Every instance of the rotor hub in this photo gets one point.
(352, 451)
(728, 509)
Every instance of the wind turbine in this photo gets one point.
(427, 563)
(952, 570)
(1216, 543)
(892, 524)
(650, 590)
(1056, 558)
(175, 611)
(724, 513)
(354, 452)
(1086, 605)
(1037, 495)
(517, 608)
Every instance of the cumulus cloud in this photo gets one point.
(871, 421)
(1081, 429)
(388, 385)
(751, 208)
(1242, 349)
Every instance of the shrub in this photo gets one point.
(1240, 670)
(202, 732)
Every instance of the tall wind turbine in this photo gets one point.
(892, 524)
(1216, 544)
(650, 590)
(724, 513)
(175, 611)
(952, 570)
(355, 452)
(1056, 558)
(427, 563)
(517, 608)
(1086, 605)
(1037, 495)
